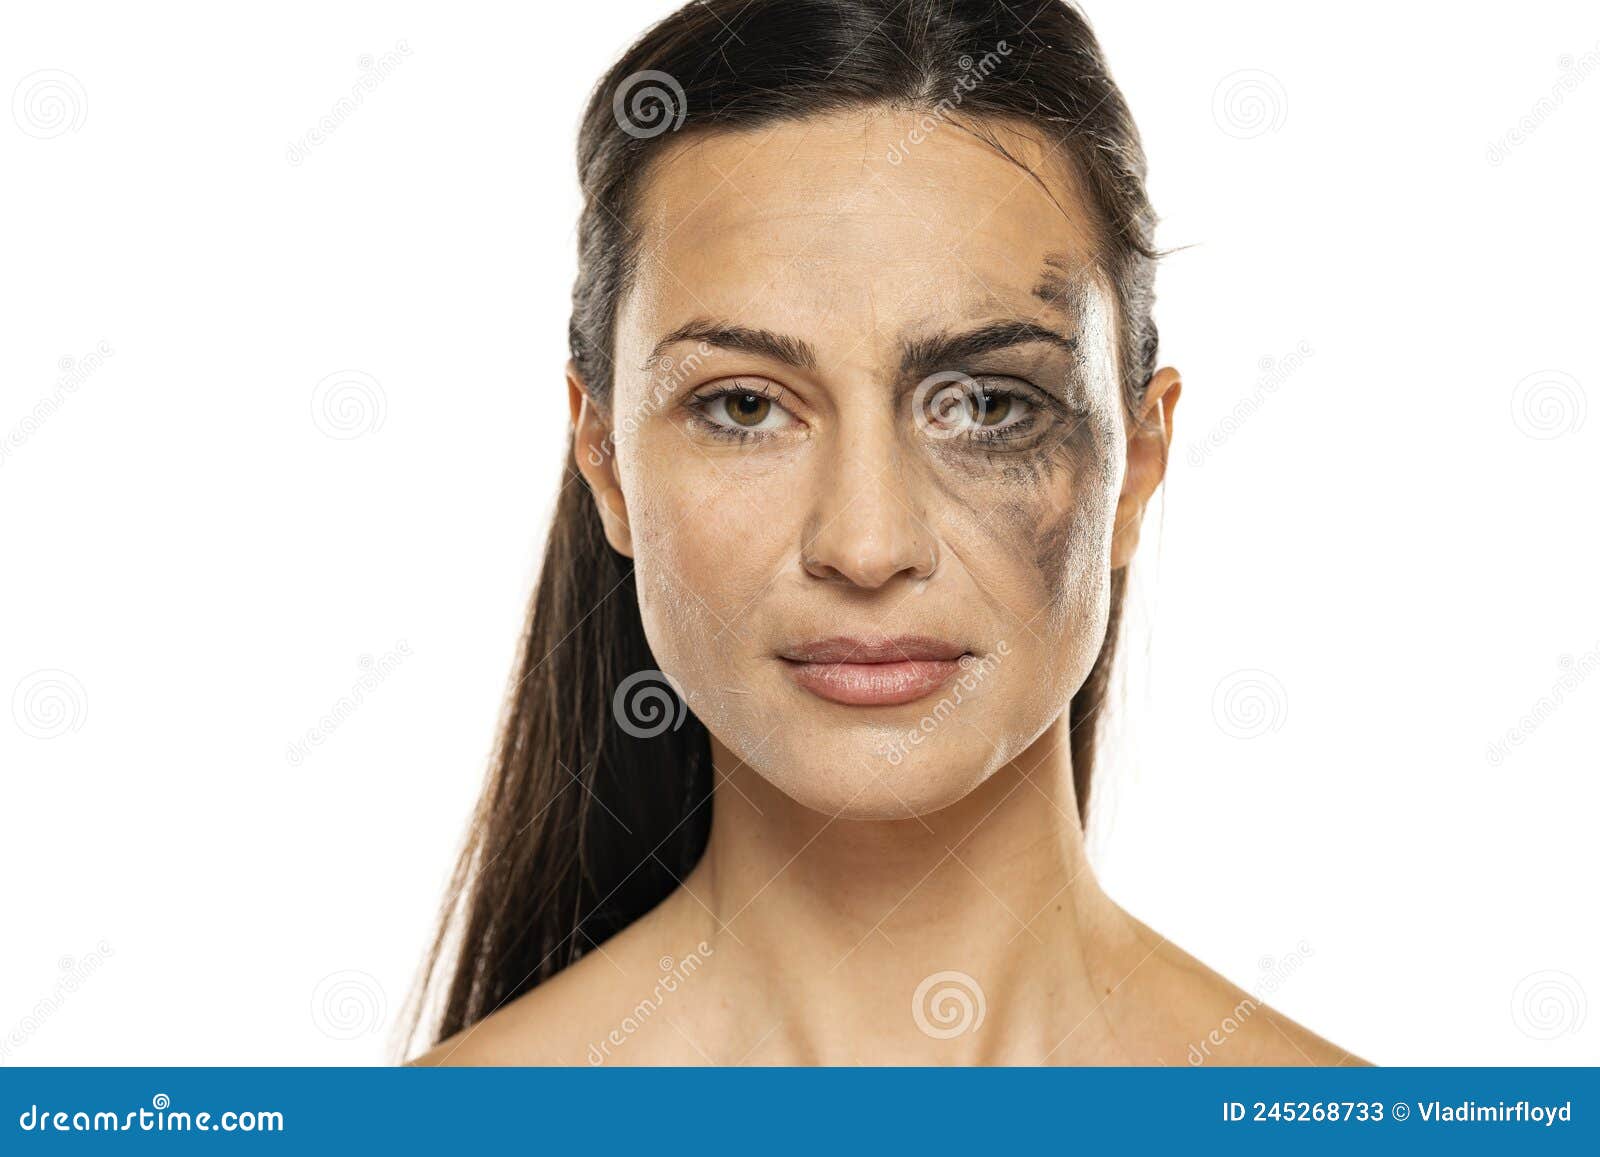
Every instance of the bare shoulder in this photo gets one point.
(619, 1003)
(1206, 1019)
(541, 1027)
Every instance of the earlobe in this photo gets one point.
(1147, 462)
(614, 515)
(594, 452)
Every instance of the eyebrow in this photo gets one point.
(1062, 284)
(764, 343)
(926, 355)
(919, 357)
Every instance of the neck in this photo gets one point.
(828, 928)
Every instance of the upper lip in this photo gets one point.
(895, 649)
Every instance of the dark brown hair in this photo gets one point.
(585, 824)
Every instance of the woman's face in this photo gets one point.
(860, 398)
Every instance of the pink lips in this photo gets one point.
(873, 672)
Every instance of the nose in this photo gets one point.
(864, 528)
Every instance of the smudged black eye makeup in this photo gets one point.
(991, 410)
(994, 412)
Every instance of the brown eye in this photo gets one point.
(742, 415)
(988, 409)
(747, 409)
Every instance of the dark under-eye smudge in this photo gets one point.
(1047, 521)
(1058, 408)
(1052, 554)
(1071, 444)
(1059, 499)
(1057, 540)
(1045, 503)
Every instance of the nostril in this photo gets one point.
(873, 568)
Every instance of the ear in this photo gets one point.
(596, 454)
(1147, 461)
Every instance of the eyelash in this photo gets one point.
(1006, 433)
(698, 404)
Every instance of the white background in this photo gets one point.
(1355, 589)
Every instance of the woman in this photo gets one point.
(866, 414)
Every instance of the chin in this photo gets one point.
(861, 784)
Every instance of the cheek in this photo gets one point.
(702, 553)
(705, 551)
(1040, 528)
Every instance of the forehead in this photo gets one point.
(811, 227)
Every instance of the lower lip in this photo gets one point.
(873, 684)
